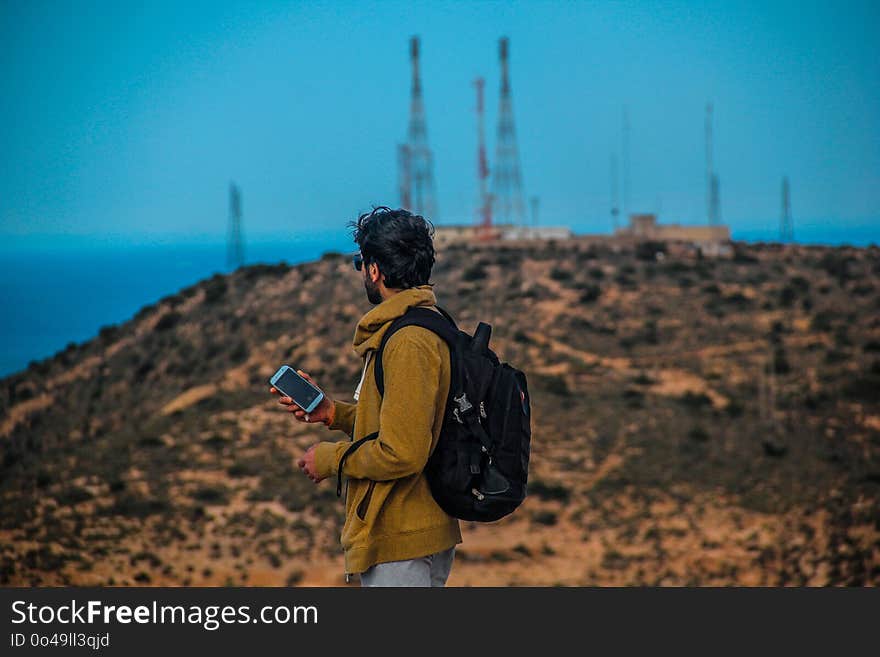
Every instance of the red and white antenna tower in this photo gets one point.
(484, 209)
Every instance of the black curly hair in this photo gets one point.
(399, 242)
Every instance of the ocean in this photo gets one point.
(52, 294)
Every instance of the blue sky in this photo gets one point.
(127, 121)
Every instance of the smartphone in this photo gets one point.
(291, 384)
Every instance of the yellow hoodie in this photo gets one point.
(390, 513)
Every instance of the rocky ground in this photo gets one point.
(695, 422)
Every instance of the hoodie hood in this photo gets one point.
(371, 328)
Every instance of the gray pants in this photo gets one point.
(432, 570)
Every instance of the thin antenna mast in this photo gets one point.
(615, 201)
(625, 156)
(786, 225)
(234, 243)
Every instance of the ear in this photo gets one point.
(375, 275)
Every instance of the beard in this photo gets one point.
(373, 294)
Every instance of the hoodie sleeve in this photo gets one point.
(412, 364)
(343, 417)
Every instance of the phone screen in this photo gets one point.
(297, 388)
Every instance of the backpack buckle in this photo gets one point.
(463, 407)
(463, 404)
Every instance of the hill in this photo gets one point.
(695, 421)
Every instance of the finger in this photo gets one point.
(305, 376)
(273, 391)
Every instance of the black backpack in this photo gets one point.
(479, 468)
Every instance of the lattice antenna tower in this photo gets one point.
(234, 242)
(786, 224)
(404, 176)
(507, 188)
(420, 158)
(484, 203)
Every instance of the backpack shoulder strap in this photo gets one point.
(440, 323)
(447, 316)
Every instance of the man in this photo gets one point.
(394, 534)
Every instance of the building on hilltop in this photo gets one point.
(539, 233)
(457, 233)
(473, 233)
(711, 240)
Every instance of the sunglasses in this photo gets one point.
(357, 260)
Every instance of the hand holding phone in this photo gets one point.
(301, 395)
